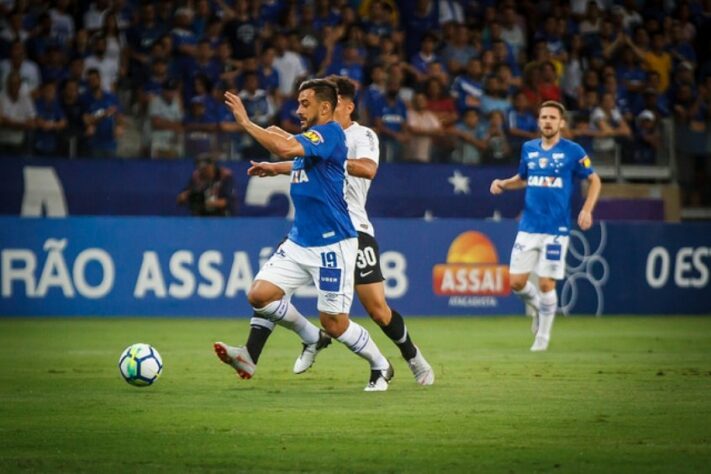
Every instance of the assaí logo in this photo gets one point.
(472, 275)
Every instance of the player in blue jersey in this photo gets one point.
(547, 169)
(362, 166)
(322, 244)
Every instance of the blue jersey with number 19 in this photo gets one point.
(549, 178)
(318, 188)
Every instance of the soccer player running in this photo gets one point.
(362, 165)
(322, 244)
(547, 169)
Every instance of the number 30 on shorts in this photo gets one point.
(366, 258)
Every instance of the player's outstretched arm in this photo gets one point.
(498, 186)
(585, 219)
(281, 146)
(362, 167)
(266, 168)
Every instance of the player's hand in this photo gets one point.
(261, 169)
(585, 219)
(237, 107)
(497, 187)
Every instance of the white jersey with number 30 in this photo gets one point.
(361, 142)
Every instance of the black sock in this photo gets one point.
(256, 340)
(396, 330)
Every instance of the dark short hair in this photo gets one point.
(324, 90)
(555, 104)
(345, 86)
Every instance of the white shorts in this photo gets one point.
(542, 253)
(330, 268)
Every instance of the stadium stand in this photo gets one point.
(635, 75)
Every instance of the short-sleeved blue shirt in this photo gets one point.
(318, 188)
(549, 176)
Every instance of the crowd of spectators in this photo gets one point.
(440, 81)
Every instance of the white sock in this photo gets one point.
(549, 303)
(358, 340)
(529, 293)
(285, 314)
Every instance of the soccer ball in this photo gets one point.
(140, 365)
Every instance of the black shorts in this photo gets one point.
(368, 260)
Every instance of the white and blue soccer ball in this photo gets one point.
(140, 365)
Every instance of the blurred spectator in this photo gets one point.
(95, 15)
(268, 76)
(459, 51)
(17, 115)
(200, 128)
(260, 108)
(287, 118)
(513, 30)
(12, 30)
(27, 69)
(55, 67)
(165, 113)
(647, 139)
(372, 95)
(495, 97)
(548, 88)
(417, 22)
(521, 123)
(441, 104)
(572, 80)
(102, 118)
(471, 139)
(656, 59)
(497, 145)
(140, 39)
(390, 120)
(426, 54)
(608, 120)
(72, 142)
(289, 65)
(348, 64)
(467, 88)
(422, 125)
(229, 67)
(108, 67)
(183, 39)
(210, 190)
(242, 31)
(115, 43)
(62, 22)
(50, 121)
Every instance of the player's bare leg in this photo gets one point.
(530, 295)
(358, 340)
(549, 302)
(270, 307)
(372, 297)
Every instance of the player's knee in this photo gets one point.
(334, 324)
(257, 299)
(518, 284)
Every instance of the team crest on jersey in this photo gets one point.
(558, 156)
(533, 154)
(545, 181)
(313, 136)
(299, 176)
(543, 162)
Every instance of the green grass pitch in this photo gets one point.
(614, 394)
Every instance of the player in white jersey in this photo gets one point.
(547, 169)
(363, 158)
(322, 244)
